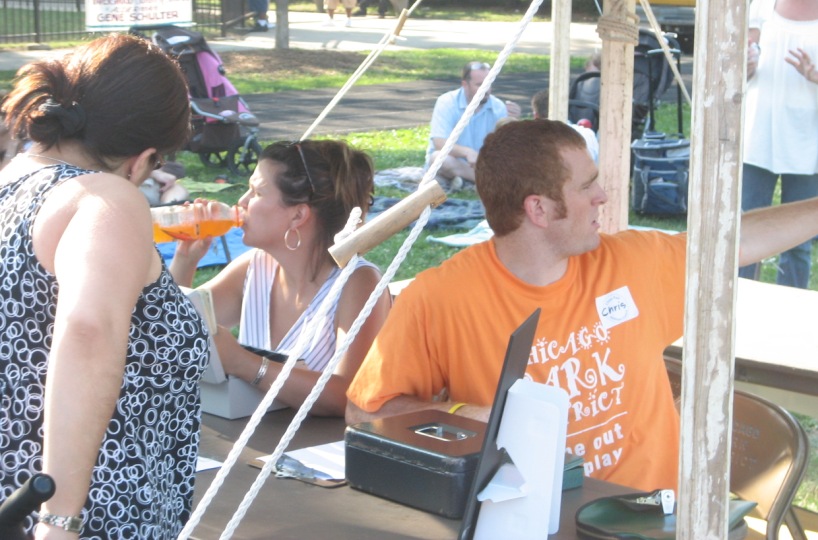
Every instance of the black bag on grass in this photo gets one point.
(660, 175)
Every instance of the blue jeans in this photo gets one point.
(756, 192)
(259, 7)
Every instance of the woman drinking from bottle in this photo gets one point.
(301, 195)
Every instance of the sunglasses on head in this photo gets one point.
(297, 146)
(474, 66)
(306, 168)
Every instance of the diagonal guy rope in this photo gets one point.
(300, 346)
(481, 92)
(665, 49)
(298, 349)
(299, 417)
(386, 40)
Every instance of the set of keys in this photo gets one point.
(665, 499)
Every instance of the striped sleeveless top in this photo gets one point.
(254, 328)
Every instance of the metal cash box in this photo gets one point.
(425, 459)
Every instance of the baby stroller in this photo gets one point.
(224, 130)
(652, 77)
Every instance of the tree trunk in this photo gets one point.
(282, 24)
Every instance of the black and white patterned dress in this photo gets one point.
(142, 483)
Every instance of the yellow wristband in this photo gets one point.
(455, 407)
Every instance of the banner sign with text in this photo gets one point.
(110, 15)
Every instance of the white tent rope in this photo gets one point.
(616, 27)
(353, 221)
(387, 39)
(255, 419)
(299, 417)
(295, 423)
(351, 81)
(431, 173)
(665, 49)
(298, 349)
(329, 301)
(377, 292)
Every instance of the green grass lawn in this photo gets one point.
(390, 67)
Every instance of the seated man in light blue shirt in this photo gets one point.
(447, 112)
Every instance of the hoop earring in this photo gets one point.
(287, 241)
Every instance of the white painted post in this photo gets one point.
(618, 30)
(713, 226)
(559, 81)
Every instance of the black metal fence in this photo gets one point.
(45, 21)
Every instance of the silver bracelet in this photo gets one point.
(262, 371)
(66, 523)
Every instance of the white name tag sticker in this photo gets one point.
(616, 307)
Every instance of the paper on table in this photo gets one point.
(325, 458)
(203, 464)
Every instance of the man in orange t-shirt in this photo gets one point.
(610, 305)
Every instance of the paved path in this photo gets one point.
(307, 31)
(287, 115)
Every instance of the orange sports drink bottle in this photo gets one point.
(194, 221)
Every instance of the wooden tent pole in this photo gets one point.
(559, 80)
(719, 63)
(619, 33)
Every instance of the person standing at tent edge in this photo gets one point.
(781, 120)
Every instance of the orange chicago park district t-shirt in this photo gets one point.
(601, 335)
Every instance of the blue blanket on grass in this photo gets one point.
(217, 255)
(451, 213)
